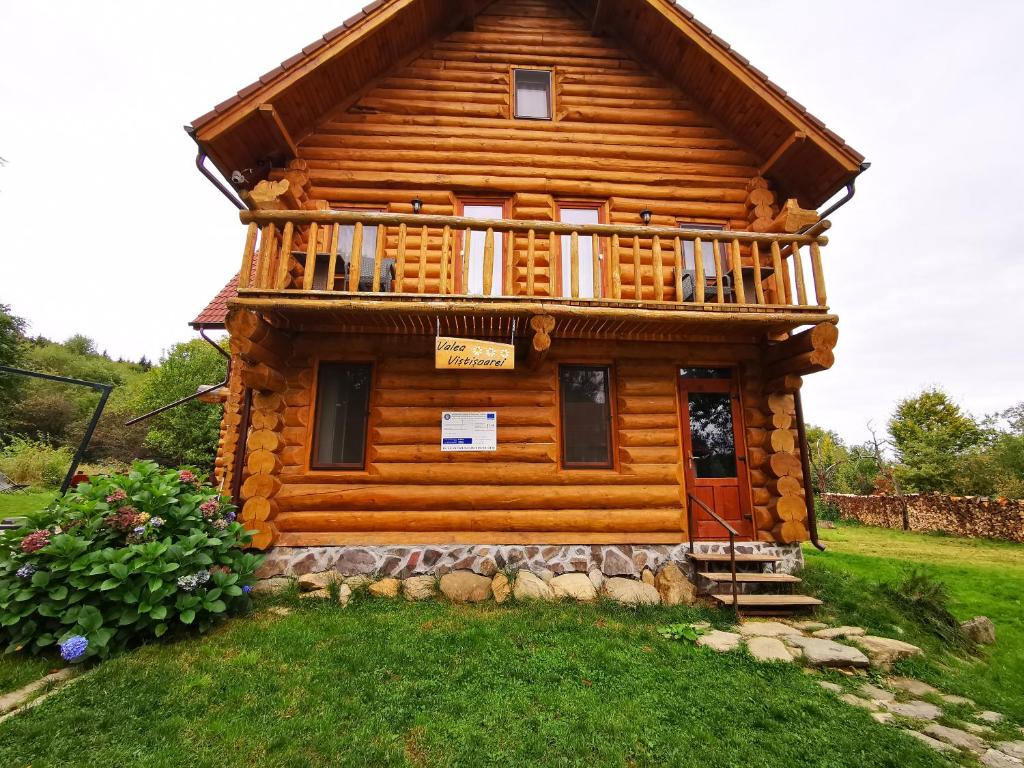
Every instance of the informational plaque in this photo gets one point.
(473, 354)
(469, 431)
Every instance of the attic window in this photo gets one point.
(532, 94)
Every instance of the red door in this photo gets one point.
(714, 459)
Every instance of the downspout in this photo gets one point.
(851, 190)
(805, 464)
(201, 166)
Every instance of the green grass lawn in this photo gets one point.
(983, 578)
(17, 503)
(433, 684)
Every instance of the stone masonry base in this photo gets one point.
(403, 561)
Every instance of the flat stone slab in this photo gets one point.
(768, 649)
(882, 717)
(766, 629)
(957, 738)
(828, 686)
(857, 701)
(938, 746)
(918, 710)
(720, 641)
(16, 698)
(885, 651)
(831, 633)
(876, 693)
(910, 685)
(990, 717)
(808, 626)
(993, 758)
(826, 653)
(1012, 748)
(950, 698)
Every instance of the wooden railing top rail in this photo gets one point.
(376, 218)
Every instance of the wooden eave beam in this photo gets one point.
(277, 127)
(269, 91)
(784, 149)
(842, 154)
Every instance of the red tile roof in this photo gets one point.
(216, 311)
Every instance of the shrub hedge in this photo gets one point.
(121, 560)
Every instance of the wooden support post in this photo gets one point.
(542, 325)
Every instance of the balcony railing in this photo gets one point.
(311, 252)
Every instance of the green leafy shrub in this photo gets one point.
(825, 511)
(680, 632)
(31, 462)
(123, 559)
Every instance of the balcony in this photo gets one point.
(415, 269)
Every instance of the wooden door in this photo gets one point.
(714, 458)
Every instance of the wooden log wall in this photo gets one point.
(227, 442)
(440, 128)
(411, 491)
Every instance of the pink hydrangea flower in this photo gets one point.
(35, 541)
(116, 496)
(186, 477)
(209, 508)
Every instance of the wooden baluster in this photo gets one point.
(400, 265)
(266, 255)
(554, 266)
(421, 275)
(574, 264)
(755, 254)
(798, 265)
(281, 281)
(698, 267)
(378, 257)
(719, 288)
(616, 275)
(446, 235)
(310, 270)
(638, 282)
(737, 273)
(677, 249)
(659, 274)
(488, 261)
(780, 278)
(332, 259)
(531, 257)
(248, 254)
(595, 257)
(509, 255)
(467, 238)
(819, 275)
(355, 259)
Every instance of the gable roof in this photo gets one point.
(270, 116)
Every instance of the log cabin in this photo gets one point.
(523, 281)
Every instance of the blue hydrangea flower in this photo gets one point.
(229, 516)
(140, 530)
(74, 648)
(26, 571)
(156, 522)
(247, 589)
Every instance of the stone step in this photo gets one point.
(723, 557)
(750, 578)
(770, 601)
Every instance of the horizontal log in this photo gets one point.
(530, 452)
(822, 336)
(263, 463)
(783, 441)
(785, 464)
(258, 509)
(481, 398)
(466, 497)
(648, 421)
(790, 532)
(432, 435)
(787, 508)
(407, 538)
(509, 416)
(649, 520)
(264, 379)
(648, 455)
(260, 485)
(512, 472)
(785, 486)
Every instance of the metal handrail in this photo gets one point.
(733, 533)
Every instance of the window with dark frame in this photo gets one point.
(342, 404)
(586, 416)
(532, 94)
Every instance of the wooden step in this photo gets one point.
(708, 557)
(770, 601)
(751, 578)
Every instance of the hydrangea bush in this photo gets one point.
(121, 560)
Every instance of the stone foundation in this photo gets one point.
(402, 562)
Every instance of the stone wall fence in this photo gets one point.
(973, 516)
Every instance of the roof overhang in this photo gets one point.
(266, 120)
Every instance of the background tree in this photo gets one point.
(187, 434)
(12, 336)
(930, 435)
(827, 455)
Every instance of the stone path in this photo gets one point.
(16, 702)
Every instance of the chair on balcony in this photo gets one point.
(690, 286)
(387, 274)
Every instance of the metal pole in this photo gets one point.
(80, 453)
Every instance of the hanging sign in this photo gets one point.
(469, 431)
(474, 354)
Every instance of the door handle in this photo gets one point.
(741, 458)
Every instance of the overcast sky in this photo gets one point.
(107, 229)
